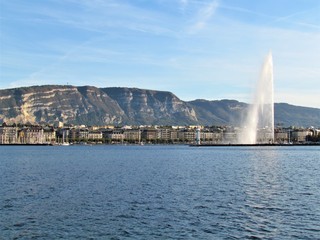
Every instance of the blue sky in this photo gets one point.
(211, 49)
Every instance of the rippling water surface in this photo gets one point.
(159, 192)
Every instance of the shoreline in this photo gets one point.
(255, 145)
(27, 144)
(191, 145)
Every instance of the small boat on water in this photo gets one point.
(64, 143)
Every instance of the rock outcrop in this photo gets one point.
(120, 106)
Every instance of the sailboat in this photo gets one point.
(63, 141)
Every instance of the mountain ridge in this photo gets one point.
(122, 105)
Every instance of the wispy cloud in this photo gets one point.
(272, 19)
(294, 18)
(162, 44)
(203, 16)
(284, 18)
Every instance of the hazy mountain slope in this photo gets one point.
(59, 103)
(224, 112)
(290, 115)
(152, 107)
(120, 106)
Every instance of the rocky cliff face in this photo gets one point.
(120, 106)
(93, 106)
(59, 103)
(152, 107)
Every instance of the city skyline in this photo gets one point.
(195, 49)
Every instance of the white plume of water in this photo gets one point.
(260, 117)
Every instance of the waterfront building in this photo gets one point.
(300, 135)
(230, 137)
(22, 138)
(73, 134)
(82, 134)
(165, 134)
(115, 134)
(132, 135)
(206, 136)
(281, 136)
(174, 135)
(8, 134)
(264, 136)
(95, 135)
(186, 135)
(149, 134)
(217, 137)
(49, 135)
(31, 135)
(35, 134)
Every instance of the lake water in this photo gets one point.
(159, 192)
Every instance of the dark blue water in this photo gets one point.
(159, 192)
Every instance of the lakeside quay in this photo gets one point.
(207, 135)
(162, 144)
(256, 145)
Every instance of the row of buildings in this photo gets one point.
(36, 134)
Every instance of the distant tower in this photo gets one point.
(198, 141)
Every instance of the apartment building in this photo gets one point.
(8, 134)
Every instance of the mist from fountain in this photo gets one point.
(258, 126)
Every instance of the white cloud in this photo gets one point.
(203, 16)
(217, 55)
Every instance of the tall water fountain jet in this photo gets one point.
(259, 124)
